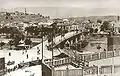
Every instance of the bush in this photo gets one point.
(84, 44)
(2, 44)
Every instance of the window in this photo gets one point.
(117, 69)
(106, 70)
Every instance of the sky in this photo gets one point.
(60, 3)
(60, 7)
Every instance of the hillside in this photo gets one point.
(93, 18)
(21, 17)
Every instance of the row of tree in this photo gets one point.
(104, 26)
(9, 30)
(35, 31)
(16, 42)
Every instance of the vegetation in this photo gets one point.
(84, 43)
(96, 30)
(2, 44)
(98, 47)
(28, 41)
(105, 26)
(10, 43)
(33, 30)
(99, 21)
(91, 30)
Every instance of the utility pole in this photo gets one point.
(42, 49)
(76, 45)
(83, 63)
(82, 71)
(52, 52)
(113, 67)
(42, 42)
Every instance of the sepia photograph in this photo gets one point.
(59, 37)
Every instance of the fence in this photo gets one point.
(86, 58)
(67, 72)
(91, 71)
(103, 70)
(104, 55)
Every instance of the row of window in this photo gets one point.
(91, 71)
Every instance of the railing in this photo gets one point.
(69, 35)
(101, 55)
(24, 65)
(67, 72)
(59, 62)
(86, 58)
(76, 72)
(91, 71)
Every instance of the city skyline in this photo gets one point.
(63, 8)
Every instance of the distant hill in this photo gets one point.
(8, 17)
(55, 12)
(71, 13)
(93, 18)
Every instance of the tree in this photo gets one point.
(28, 41)
(84, 43)
(98, 47)
(54, 27)
(29, 30)
(105, 26)
(14, 30)
(36, 30)
(22, 37)
(2, 44)
(1, 31)
(6, 29)
(17, 40)
(10, 43)
(32, 30)
(99, 21)
(96, 30)
(91, 30)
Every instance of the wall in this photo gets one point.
(46, 71)
(113, 43)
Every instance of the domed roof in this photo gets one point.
(65, 20)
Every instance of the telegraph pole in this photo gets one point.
(42, 49)
(83, 63)
(113, 66)
(52, 52)
(76, 45)
(42, 42)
